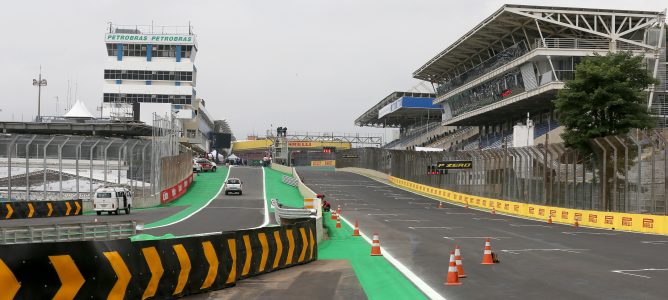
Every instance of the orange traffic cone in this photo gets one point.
(493, 210)
(458, 260)
(467, 204)
(487, 254)
(576, 224)
(338, 221)
(338, 210)
(333, 215)
(549, 219)
(356, 232)
(440, 204)
(375, 246)
(453, 277)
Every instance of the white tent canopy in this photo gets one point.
(79, 111)
(232, 157)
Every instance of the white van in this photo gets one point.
(112, 199)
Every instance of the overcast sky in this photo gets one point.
(310, 65)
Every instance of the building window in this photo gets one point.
(111, 49)
(164, 50)
(148, 75)
(134, 50)
(146, 98)
(186, 51)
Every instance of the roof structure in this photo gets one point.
(78, 111)
(398, 118)
(514, 23)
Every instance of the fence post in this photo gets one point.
(78, 157)
(604, 180)
(45, 150)
(120, 149)
(90, 175)
(60, 168)
(639, 158)
(9, 167)
(626, 174)
(28, 166)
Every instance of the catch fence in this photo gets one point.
(624, 174)
(59, 167)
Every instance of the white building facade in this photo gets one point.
(150, 72)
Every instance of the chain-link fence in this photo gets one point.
(56, 167)
(624, 174)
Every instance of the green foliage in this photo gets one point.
(606, 98)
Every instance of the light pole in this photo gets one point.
(39, 83)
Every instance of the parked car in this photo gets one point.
(196, 167)
(112, 199)
(233, 185)
(206, 165)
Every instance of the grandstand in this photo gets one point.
(413, 113)
(515, 61)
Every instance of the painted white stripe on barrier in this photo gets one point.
(419, 283)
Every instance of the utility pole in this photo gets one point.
(39, 83)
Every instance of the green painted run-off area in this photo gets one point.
(205, 187)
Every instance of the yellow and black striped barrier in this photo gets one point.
(39, 209)
(155, 269)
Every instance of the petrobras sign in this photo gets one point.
(390, 108)
(126, 38)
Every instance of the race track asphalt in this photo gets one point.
(538, 261)
(226, 212)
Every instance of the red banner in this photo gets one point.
(172, 193)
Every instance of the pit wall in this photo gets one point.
(151, 269)
(308, 194)
(597, 219)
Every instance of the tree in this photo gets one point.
(607, 97)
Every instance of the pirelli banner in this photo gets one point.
(39, 209)
(155, 269)
(454, 165)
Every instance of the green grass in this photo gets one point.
(276, 189)
(379, 278)
(205, 186)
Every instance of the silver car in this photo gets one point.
(233, 185)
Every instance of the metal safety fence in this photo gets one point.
(62, 167)
(624, 174)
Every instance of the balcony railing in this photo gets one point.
(586, 44)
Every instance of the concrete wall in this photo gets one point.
(282, 168)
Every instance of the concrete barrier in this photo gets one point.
(598, 219)
(281, 168)
(151, 269)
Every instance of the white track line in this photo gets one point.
(419, 283)
(555, 250)
(625, 272)
(264, 198)
(229, 170)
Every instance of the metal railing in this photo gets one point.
(586, 44)
(290, 181)
(627, 173)
(282, 212)
(67, 232)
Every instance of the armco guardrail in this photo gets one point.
(599, 219)
(67, 232)
(39, 209)
(155, 269)
(290, 181)
(281, 212)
